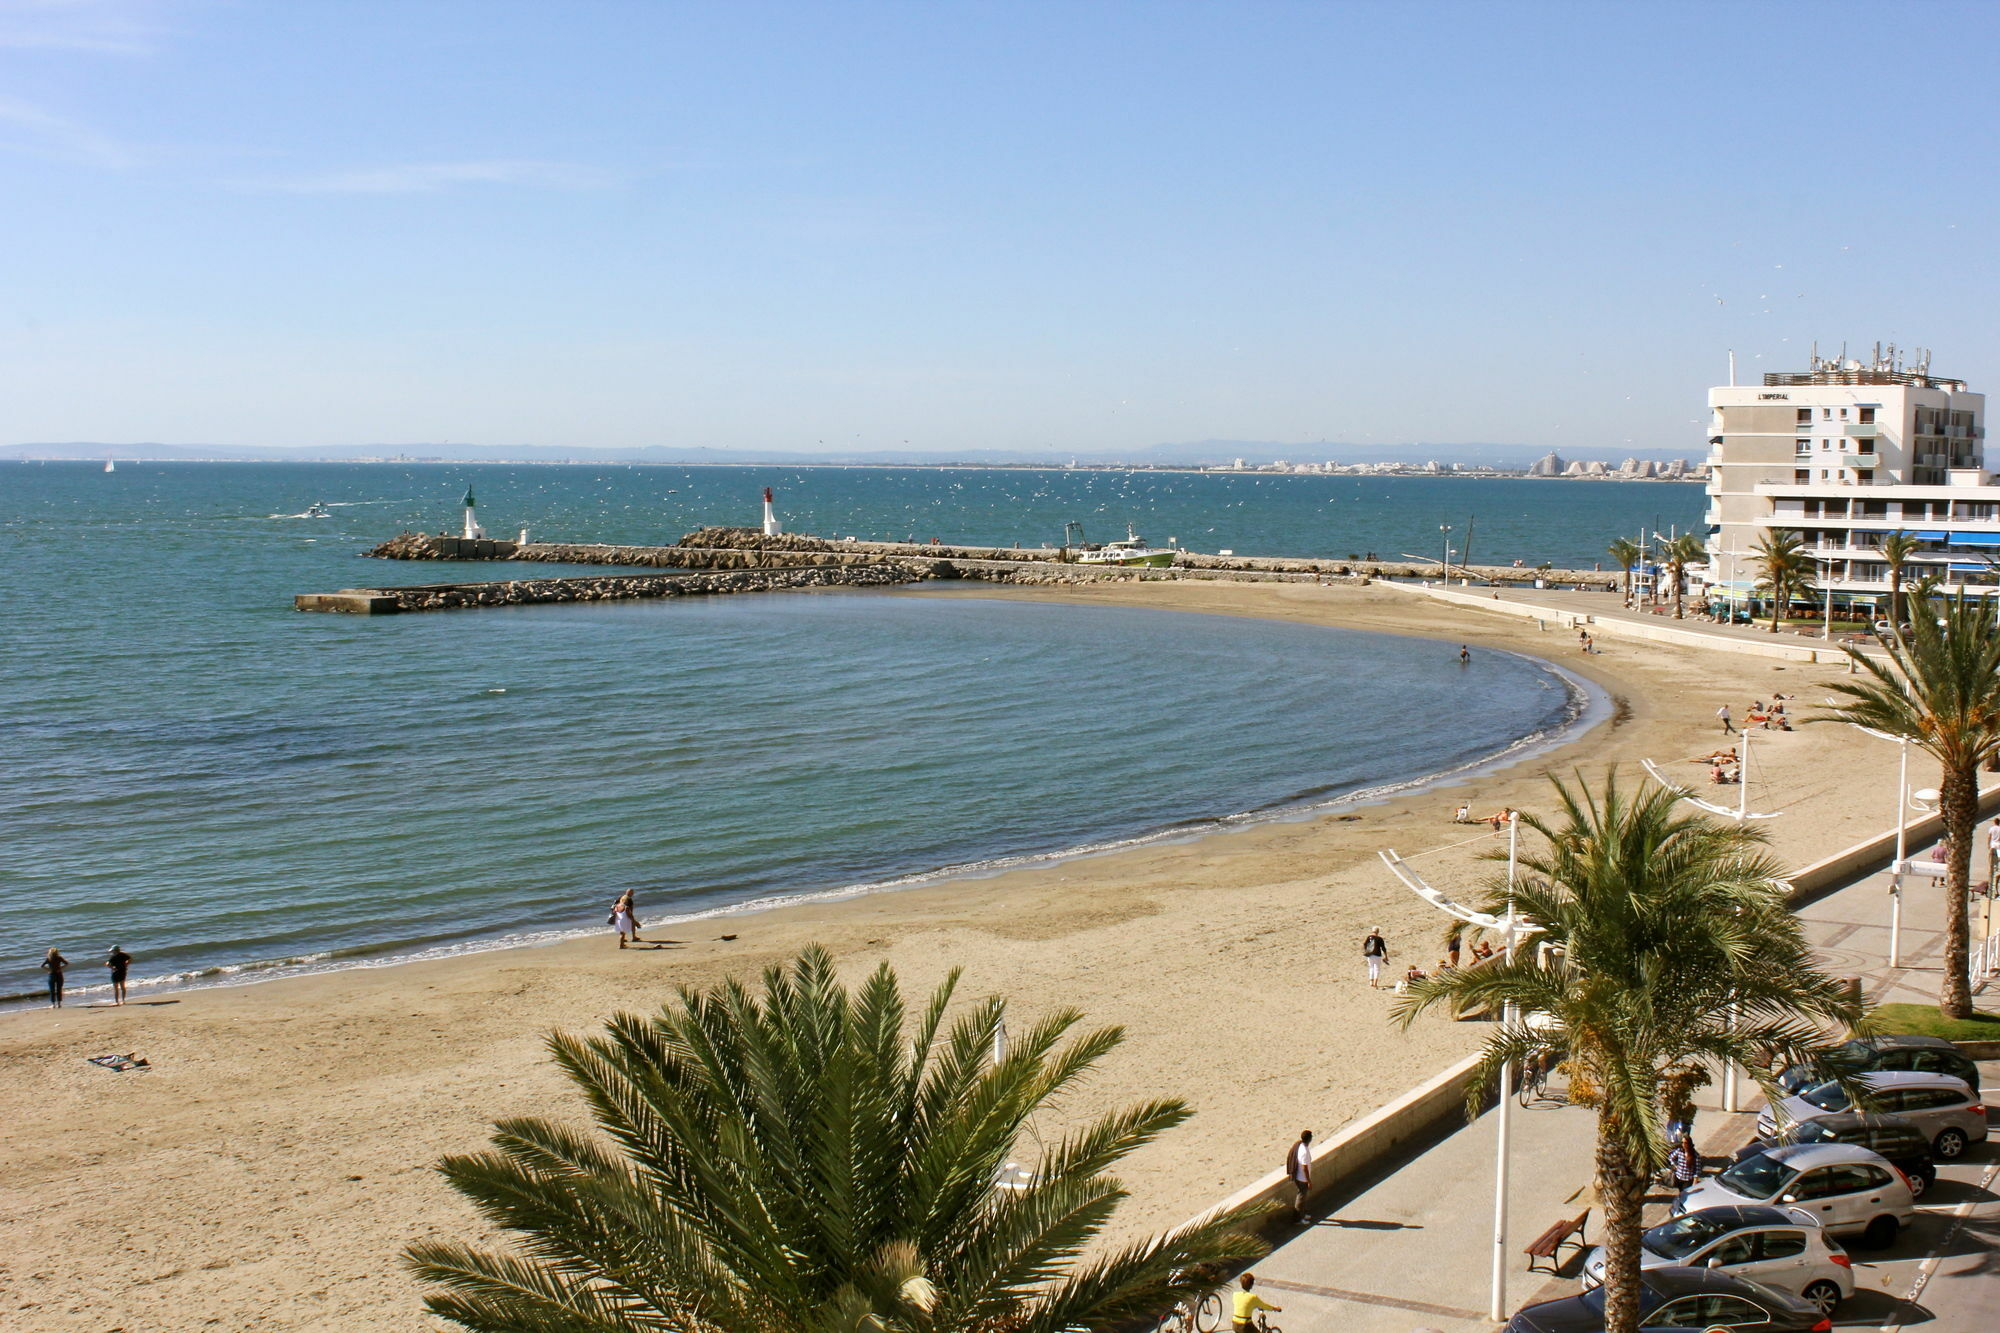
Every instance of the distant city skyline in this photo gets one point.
(1034, 229)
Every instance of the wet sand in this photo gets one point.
(268, 1168)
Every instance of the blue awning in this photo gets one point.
(1976, 539)
(1937, 535)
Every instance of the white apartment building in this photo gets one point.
(1843, 454)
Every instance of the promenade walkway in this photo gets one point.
(1412, 1249)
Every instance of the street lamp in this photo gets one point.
(1444, 566)
(1511, 928)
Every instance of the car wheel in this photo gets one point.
(1919, 1182)
(1881, 1233)
(1823, 1295)
(1950, 1143)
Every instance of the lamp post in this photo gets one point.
(1497, 1309)
(1444, 565)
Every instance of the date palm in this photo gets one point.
(1626, 553)
(1897, 548)
(1784, 568)
(1940, 690)
(1680, 552)
(1673, 949)
(811, 1159)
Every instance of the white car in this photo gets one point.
(1780, 1247)
(1849, 1190)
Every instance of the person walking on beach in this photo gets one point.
(54, 965)
(1374, 952)
(118, 961)
(1299, 1170)
(1723, 713)
(625, 919)
(1243, 1314)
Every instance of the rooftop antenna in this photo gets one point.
(1732, 367)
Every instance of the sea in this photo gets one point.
(231, 790)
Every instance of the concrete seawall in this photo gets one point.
(604, 588)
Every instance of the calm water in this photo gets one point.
(228, 788)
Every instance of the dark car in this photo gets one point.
(1681, 1298)
(1902, 1141)
(1864, 1055)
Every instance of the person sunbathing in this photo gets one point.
(1482, 950)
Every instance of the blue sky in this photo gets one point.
(1042, 227)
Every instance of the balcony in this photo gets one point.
(1855, 430)
(1859, 460)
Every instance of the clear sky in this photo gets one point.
(1054, 227)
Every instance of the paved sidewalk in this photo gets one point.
(1412, 1249)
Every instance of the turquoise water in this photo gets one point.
(230, 789)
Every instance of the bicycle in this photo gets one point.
(1202, 1314)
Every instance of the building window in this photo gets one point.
(1805, 415)
(1826, 414)
(1867, 416)
(1801, 476)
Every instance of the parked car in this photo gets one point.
(1779, 1247)
(1681, 1298)
(1901, 1141)
(1948, 1111)
(1907, 1050)
(1851, 1191)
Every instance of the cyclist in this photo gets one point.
(1243, 1318)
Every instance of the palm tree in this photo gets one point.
(1784, 568)
(811, 1160)
(1672, 947)
(1897, 548)
(1626, 553)
(1681, 552)
(1940, 690)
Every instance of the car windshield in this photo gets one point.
(1684, 1235)
(1810, 1131)
(1826, 1096)
(1758, 1177)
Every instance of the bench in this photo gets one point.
(1548, 1245)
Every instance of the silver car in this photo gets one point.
(1945, 1108)
(1780, 1247)
(1849, 1190)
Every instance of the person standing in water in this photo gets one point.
(625, 919)
(118, 961)
(1464, 654)
(55, 964)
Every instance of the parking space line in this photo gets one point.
(1930, 1264)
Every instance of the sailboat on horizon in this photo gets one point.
(110, 466)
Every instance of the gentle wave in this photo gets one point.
(1584, 706)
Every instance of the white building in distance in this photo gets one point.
(1844, 454)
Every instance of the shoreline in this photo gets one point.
(277, 1155)
(1588, 705)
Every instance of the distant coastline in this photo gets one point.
(1356, 471)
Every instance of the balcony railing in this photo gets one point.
(1860, 430)
(1858, 460)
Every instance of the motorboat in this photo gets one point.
(1132, 550)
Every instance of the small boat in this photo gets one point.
(110, 466)
(1131, 551)
(317, 510)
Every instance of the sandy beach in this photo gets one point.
(268, 1168)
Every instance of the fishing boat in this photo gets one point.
(317, 510)
(1133, 550)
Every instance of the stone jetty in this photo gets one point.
(711, 561)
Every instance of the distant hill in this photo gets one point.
(1188, 454)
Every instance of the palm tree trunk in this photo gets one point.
(1895, 598)
(1680, 586)
(1959, 804)
(1780, 594)
(1621, 1193)
(1628, 584)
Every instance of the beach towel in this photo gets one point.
(118, 1063)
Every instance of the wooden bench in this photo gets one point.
(1548, 1245)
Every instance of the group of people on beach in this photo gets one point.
(57, 966)
(1771, 717)
(1375, 955)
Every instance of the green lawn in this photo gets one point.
(1923, 1019)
